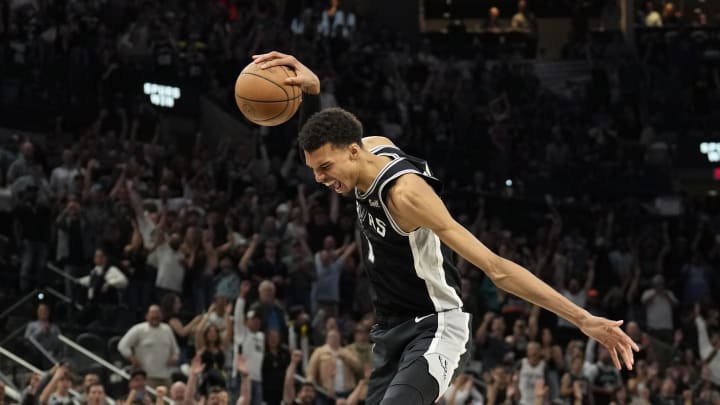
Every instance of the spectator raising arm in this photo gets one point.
(289, 384)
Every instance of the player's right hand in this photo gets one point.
(305, 78)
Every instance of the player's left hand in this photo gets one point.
(609, 334)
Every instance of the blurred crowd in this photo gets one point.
(235, 277)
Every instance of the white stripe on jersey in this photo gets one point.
(428, 261)
(378, 147)
(394, 224)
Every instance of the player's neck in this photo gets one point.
(369, 170)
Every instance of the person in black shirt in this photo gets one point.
(32, 229)
(422, 334)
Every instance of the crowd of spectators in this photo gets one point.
(236, 272)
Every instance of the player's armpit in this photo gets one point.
(413, 204)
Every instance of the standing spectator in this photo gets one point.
(275, 362)
(532, 370)
(170, 307)
(212, 346)
(57, 391)
(32, 227)
(708, 345)
(270, 310)
(251, 340)
(574, 380)
(361, 346)
(336, 22)
(199, 260)
(151, 345)
(62, 178)
(301, 274)
(578, 294)
(604, 376)
(659, 303)
(491, 345)
(43, 331)
(170, 261)
(21, 166)
(329, 264)
(74, 243)
(103, 286)
(334, 368)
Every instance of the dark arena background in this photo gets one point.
(155, 246)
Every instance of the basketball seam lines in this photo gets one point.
(287, 98)
(266, 101)
(291, 87)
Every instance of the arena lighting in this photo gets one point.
(162, 95)
(711, 150)
(716, 173)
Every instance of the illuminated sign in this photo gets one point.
(711, 150)
(162, 95)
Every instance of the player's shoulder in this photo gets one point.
(408, 189)
(370, 142)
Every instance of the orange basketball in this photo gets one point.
(263, 97)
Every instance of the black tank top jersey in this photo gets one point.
(409, 272)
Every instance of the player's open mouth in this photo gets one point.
(335, 185)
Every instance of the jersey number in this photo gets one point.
(377, 224)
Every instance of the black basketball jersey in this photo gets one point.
(409, 272)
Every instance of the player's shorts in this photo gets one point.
(425, 353)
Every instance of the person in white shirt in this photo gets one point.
(170, 261)
(532, 369)
(62, 177)
(151, 345)
(249, 337)
(708, 345)
(659, 303)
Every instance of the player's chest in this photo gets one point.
(372, 218)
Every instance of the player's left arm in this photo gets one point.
(413, 203)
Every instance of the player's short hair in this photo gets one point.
(331, 125)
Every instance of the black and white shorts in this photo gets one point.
(424, 352)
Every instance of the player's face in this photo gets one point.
(336, 167)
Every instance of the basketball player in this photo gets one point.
(422, 332)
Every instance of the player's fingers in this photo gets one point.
(614, 356)
(626, 355)
(285, 60)
(264, 57)
(294, 81)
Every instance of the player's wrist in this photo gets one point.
(582, 318)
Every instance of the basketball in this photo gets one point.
(263, 97)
